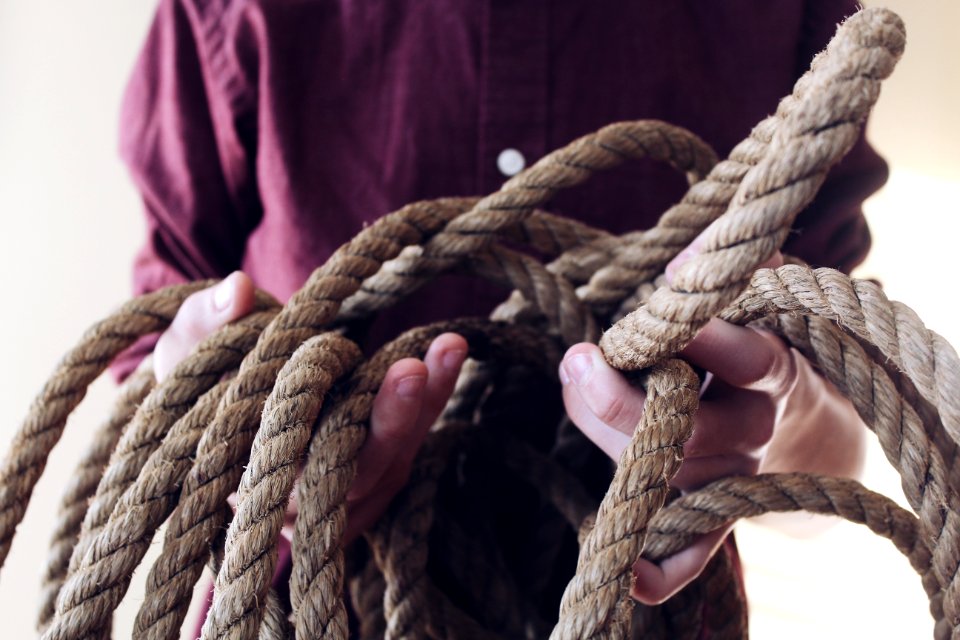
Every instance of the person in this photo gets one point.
(264, 133)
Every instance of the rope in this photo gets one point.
(863, 309)
(104, 559)
(838, 91)
(83, 485)
(509, 525)
(43, 426)
(265, 487)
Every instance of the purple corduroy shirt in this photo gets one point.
(263, 134)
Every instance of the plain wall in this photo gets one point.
(72, 224)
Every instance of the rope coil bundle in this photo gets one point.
(284, 385)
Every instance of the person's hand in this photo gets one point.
(410, 399)
(764, 406)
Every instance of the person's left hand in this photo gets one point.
(752, 374)
(759, 388)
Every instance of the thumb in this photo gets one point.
(201, 315)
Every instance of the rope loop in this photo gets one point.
(510, 524)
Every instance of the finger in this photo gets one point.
(364, 512)
(686, 255)
(731, 421)
(443, 359)
(695, 473)
(402, 416)
(393, 419)
(598, 399)
(655, 583)
(200, 315)
(696, 247)
(732, 428)
(744, 357)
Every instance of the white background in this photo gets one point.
(71, 223)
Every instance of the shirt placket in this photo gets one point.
(513, 96)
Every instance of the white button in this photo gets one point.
(511, 162)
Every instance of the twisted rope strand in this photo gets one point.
(43, 426)
(837, 93)
(83, 485)
(542, 232)
(107, 554)
(288, 417)
(727, 500)
(317, 578)
(596, 601)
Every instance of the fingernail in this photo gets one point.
(410, 386)
(564, 378)
(452, 359)
(578, 368)
(223, 294)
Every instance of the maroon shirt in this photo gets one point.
(263, 134)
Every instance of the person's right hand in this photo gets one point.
(410, 399)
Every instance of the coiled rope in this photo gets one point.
(285, 386)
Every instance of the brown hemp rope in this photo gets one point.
(43, 426)
(153, 456)
(185, 448)
(83, 485)
(841, 86)
(863, 309)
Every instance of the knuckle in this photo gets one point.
(611, 409)
(778, 369)
(193, 318)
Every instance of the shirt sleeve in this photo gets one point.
(186, 141)
(832, 231)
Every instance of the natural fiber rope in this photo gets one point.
(225, 445)
(921, 464)
(265, 487)
(561, 169)
(190, 467)
(83, 485)
(841, 86)
(909, 350)
(901, 435)
(43, 426)
(103, 560)
(862, 308)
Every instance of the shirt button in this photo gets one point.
(511, 162)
